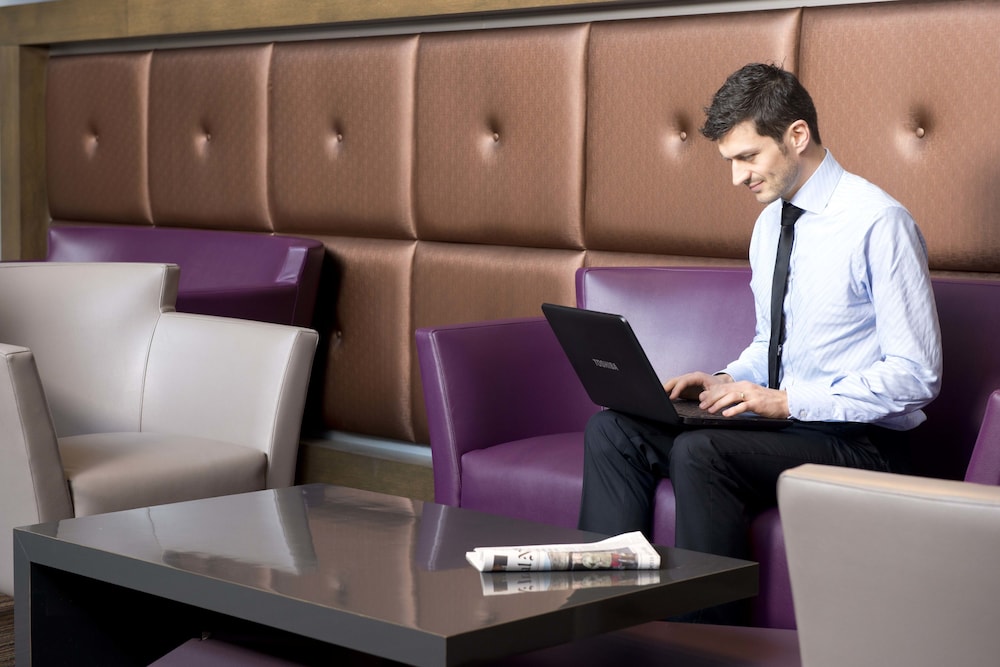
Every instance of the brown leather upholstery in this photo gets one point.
(341, 137)
(903, 111)
(97, 148)
(208, 114)
(654, 184)
(460, 175)
(500, 130)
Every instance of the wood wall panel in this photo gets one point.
(22, 152)
(84, 20)
(63, 21)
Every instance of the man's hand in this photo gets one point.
(690, 386)
(719, 393)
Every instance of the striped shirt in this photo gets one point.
(862, 341)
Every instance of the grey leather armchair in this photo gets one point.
(891, 569)
(110, 400)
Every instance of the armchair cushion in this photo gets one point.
(538, 479)
(108, 472)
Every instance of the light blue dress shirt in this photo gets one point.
(862, 341)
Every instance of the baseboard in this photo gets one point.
(399, 469)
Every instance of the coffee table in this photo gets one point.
(325, 568)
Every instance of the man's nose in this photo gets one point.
(741, 175)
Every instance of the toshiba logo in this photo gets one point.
(610, 365)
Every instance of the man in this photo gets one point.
(860, 353)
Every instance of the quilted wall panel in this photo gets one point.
(366, 333)
(915, 114)
(654, 184)
(208, 137)
(341, 137)
(97, 118)
(500, 122)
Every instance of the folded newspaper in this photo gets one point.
(628, 551)
(507, 583)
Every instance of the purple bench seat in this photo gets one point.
(506, 411)
(230, 274)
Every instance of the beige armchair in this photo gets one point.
(891, 569)
(109, 400)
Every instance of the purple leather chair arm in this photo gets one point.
(493, 382)
(264, 303)
(984, 465)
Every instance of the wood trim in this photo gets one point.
(152, 17)
(34, 192)
(10, 167)
(317, 463)
(61, 21)
(23, 207)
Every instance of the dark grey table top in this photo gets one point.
(377, 573)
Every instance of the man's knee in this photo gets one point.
(611, 436)
(693, 451)
(601, 426)
(602, 436)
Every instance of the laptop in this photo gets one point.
(617, 374)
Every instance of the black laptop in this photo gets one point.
(617, 374)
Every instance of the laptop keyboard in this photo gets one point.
(692, 409)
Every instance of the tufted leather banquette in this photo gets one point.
(463, 175)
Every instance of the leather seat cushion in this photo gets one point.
(107, 472)
(538, 479)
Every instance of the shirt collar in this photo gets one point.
(816, 192)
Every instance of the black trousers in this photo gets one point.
(721, 477)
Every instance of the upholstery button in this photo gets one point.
(91, 144)
(920, 133)
(496, 136)
(684, 136)
(340, 137)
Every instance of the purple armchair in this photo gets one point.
(229, 274)
(506, 411)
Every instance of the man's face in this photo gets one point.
(771, 170)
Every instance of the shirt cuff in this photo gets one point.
(809, 404)
(738, 372)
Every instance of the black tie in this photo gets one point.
(789, 214)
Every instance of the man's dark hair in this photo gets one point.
(766, 94)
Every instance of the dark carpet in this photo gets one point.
(6, 631)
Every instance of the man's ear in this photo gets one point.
(798, 136)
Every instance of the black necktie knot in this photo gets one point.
(790, 213)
